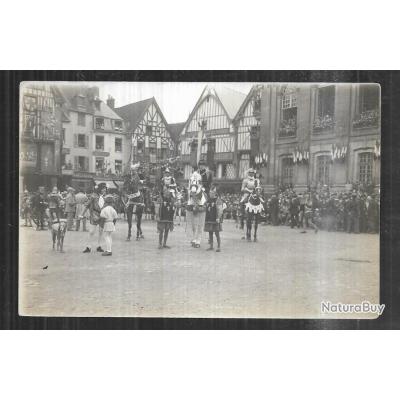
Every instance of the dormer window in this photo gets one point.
(100, 123)
(118, 126)
(80, 100)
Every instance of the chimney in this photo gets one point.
(111, 102)
(93, 92)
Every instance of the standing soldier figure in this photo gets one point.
(165, 220)
(95, 205)
(81, 201)
(26, 208)
(54, 206)
(70, 206)
(39, 207)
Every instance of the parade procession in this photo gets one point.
(159, 199)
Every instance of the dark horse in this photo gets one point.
(253, 209)
(134, 204)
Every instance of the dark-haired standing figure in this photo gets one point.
(165, 221)
(213, 222)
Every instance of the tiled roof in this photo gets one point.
(230, 99)
(106, 112)
(133, 112)
(70, 92)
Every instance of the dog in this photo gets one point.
(58, 230)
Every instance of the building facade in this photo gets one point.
(95, 147)
(301, 135)
(322, 134)
(150, 140)
(40, 136)
(215, 111)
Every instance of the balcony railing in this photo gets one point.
(44, 135)
(367, 119)
(324, 123)
(109, 174)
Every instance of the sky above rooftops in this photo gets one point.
(176, 99)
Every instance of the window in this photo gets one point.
(365, 168)
(81, 119)
(118, 144)
(152, 154)
(223, 170)
(118, 167)
(369, 97)
(118, 126)
(164, 153)
(140, 147)
(81, 164)
(326, 101)
(81, 140)
(325, 110)
(63, 135)
(100, 165)
(289, 101)
(80, 101)
(368, 114)
(100, 143)
(323, 164)
(244, 165)
(287, 171)
(149, 130)
(100, 123)
(289, 116)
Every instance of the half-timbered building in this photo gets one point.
(151, 142)
(40, 135)
(248, 123)
(214, 111)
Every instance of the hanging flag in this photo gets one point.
(199, 144)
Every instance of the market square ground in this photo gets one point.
(285, 274)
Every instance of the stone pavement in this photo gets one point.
(285, 275)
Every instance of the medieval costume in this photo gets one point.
(253, 209)
(165, 221)
(134, 205)
(39, 208)
(70, 208)
(109, 217)
(54, 200)
(168, 182)
(195, 210)
(248, 186)
(95, 204)
(26, 208)
(213, 219)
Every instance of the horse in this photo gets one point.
(58, 229)
(253, 209)
(135, 205)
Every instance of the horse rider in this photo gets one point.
(248, 185)
(196, 208)
(168, 182)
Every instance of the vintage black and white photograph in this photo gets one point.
(198, 199)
